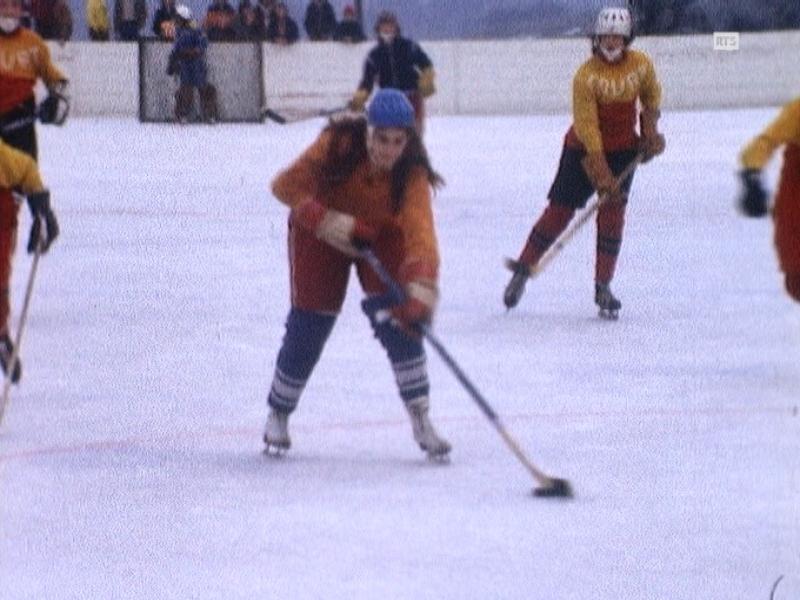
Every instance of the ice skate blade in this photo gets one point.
(609, 314)
(442, 458)
(556, 488)
(275, 450)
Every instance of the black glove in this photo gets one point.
(53, 109)
(753, 200)
(39, 203)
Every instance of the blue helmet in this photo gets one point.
(390, 108)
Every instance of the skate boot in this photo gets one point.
(516, 287)
(276, 432)
(6, 350)
(609, 305)
(424, 433)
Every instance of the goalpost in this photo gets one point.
(235, 69)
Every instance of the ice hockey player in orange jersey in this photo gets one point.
(611, 91)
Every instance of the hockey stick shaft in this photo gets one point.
(397, 291)
(565, 237)
(20, 328)
(285, 119)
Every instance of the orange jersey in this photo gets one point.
(366, 195)
(604, 102)
(785, 129)
(24, 58)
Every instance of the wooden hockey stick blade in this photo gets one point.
(555, 488)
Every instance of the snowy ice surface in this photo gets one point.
(130, 455)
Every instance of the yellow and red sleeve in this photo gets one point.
(24, 58)
(785, 129)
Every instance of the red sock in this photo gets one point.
(792, 283)
(553, 221)
(610, 222)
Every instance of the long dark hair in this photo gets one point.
(348, 148)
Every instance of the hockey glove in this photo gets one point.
(753, 199)
(425, 84)
(652, 143)
(358, 101)
(419, 282)
(39, 204)
(344, 232)
(55, 108)
(601, 177)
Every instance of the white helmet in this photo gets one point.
(183, 12)
(614, 21)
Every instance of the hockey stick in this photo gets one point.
(285, 119)
(21, 327)
(569, 233)
(548, 486)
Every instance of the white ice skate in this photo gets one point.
(424, 433)
(276, 432)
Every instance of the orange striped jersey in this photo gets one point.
(24, 58)
(366, 194)
(604, 97)
(18, 171)
(785, 129)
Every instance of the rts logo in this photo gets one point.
(726, 40)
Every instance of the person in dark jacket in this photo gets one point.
(349, 29)
(219, 22)
(248, 26)
(282, 29)
(129, 18)
(188, 61)
(164, 20)
(52, 19)
(399, 63)
(320, 20)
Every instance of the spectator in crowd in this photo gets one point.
(282, 28)
(52, 19)
(129, 18)
(26, 20)
(349, 29)
(188, 61)
(247, 24)
(219, 22)
(399, 63)
(97, 20)
(265, 12)
(320, 21)
(164, 20)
